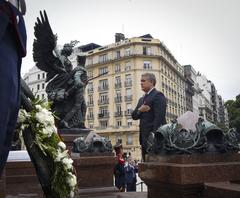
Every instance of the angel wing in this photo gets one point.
(44, 48)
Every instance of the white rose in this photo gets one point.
(71, 180)
(22, 115)
(72, 194)
(61, 155)
(62, 145)
(38, 107)
(68, 162)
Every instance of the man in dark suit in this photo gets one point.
(151, 110)
(12, 49)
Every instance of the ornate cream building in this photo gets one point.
(111, 97)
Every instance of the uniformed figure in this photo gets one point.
(12, 49)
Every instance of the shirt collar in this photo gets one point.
(150, 91)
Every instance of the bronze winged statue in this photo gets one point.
(65, 85)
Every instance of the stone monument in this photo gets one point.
(188, 156)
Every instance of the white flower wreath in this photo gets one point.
(41, 121)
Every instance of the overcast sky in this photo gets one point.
(203, 33)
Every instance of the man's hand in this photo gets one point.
(144, 108)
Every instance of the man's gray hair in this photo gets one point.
(150, 77)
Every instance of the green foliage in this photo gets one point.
(233, 107)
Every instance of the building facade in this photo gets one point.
(112, 97)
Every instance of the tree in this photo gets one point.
(233, 107)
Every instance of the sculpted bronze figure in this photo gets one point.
(66, 85)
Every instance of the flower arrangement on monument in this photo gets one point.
(40, 121)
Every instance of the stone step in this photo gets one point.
(221, 190)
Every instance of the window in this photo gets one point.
(90, 73)
(129, 139)
(147, 65)
(90, 99)
(147, 51)
(90, 87)
(128, 78)
(128, 92)
(118, 138)
(103, 124)
(118, 94)
(103, 98)
(117, 68)
(117, 80)
(90, 61)
(43, 75)
(127, 52)
(119, 123)
(129, 109)
(103, 70)
(42, 96)
(91, 125)
(103, 58)
(38, 87)
(118, 55)
(103, 84)
(129, 122)
(128, 66)
(90, 113)
(119, 108)
(103, 111)
(43, 85)
(38, 76)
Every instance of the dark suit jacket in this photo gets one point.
(155, 117)
(12, 49)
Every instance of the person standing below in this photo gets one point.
(130, 175)
(151, 110)
(12, 49)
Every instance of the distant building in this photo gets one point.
(205, 102)
(35, 79)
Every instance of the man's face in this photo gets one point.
(146, 85)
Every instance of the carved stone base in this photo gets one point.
(21, 179)
(184, 175)
(222, 189)
(94, 171)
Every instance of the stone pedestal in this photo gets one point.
(2, 186)
(184, 175)
(21, 179)
(69, 135)
(222, 190)
(94, 171)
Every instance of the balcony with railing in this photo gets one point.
(90, 117)
(103, 115)
(118, 114)
(103, 88)
(118, 85)
(128, 112)
(118, 99)
(90, 90)
(128, 83)
(102, 102)
(90, 103)
(128, 98)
